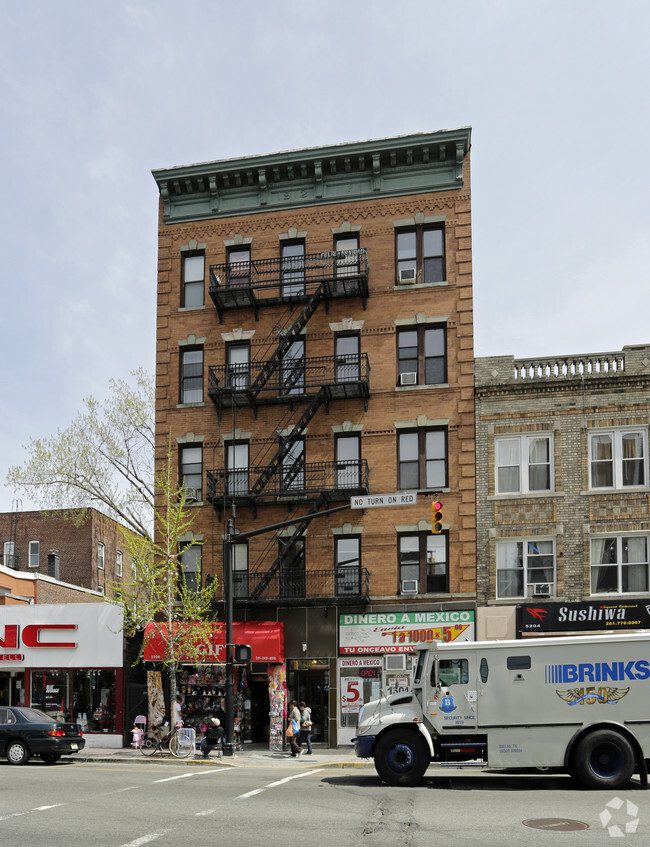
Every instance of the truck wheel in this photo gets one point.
(401, 758)
(604, 759)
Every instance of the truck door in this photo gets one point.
(455, 692)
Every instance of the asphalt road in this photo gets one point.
(132, 804)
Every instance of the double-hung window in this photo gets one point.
(421, 356)
(347, 552)
(423, 563)
(420, 254)
(238, 366)
(191, 461)
(119, 562)
(9, 559)
(347, 355)
(347, 258)
(524, 464)
(239, 267)
(619, 564)
(293, 268)
(422, 459)
(618, 458)
(101, 555)
(237, 468)
(348, 461)
(293, 467)
(190, 566)
(523, 565)
(193, 280)
(192, 375)
(34, 554)
(292, 369)
(239, 552)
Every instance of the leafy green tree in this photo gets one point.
(103, 460)
(158, 598)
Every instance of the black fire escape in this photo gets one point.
(303, 385)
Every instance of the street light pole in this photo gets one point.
(230, 700)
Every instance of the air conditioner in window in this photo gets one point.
(541, 589)
(191, 495)
(395, 662)
(409, 586)
(407, 276)
(409, 378)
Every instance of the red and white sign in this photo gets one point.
(66, 635)
(351, 695)
(266, 639)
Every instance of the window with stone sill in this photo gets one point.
(193, 280)
(618, 458)
(619, 564)
(524, 463)
(524, 564)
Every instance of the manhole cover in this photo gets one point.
(556, 824)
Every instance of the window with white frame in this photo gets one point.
(193, 274)
(524, 464)
(618, 458)
(34, 553)
(619, 564)
(100, 555)
(9, 559)
(526, 568)
(119, 561)
(240, 569)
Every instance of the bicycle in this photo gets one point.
(174, 742)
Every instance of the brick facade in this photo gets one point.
(569, 400)
(75, 546)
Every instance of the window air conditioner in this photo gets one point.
(409, 378)
(191, 495)
(407, 276)
(541, 589)
(395, 662)
(409, 586)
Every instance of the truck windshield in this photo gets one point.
(419, 670)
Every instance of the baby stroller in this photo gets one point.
(138, 731)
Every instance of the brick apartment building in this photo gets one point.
(563, 514)
(314, 344)
(91, 556)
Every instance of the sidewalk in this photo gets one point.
(250, 755)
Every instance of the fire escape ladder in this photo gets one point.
(287, 339)
(288, 550)
(286, 443)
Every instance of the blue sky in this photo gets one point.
(94, 94)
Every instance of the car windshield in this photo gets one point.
(35, 715)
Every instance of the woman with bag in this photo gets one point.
(305, 726)
(293, 730)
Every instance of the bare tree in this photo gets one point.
(103, 460)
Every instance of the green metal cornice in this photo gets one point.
(342, 173)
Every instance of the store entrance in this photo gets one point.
(259, 710)
(5, 679)
(312, 686)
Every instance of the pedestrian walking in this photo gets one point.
(305, 727)
(294, 726)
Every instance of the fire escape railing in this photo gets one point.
(340, 480)
(252, 383)
(260, 282)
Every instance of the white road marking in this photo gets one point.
(185, 775)
(145, 839)
(279, 782)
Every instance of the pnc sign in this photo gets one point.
(33, 635)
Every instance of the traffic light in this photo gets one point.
(436, 518)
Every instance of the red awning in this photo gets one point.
(266, 639)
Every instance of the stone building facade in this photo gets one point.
(563, 511)
(315, 343)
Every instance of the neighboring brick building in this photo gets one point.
(92, 556)
(563, 514)
(315, 343)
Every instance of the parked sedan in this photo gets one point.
(30, 732)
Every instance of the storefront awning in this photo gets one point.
(266, 639)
